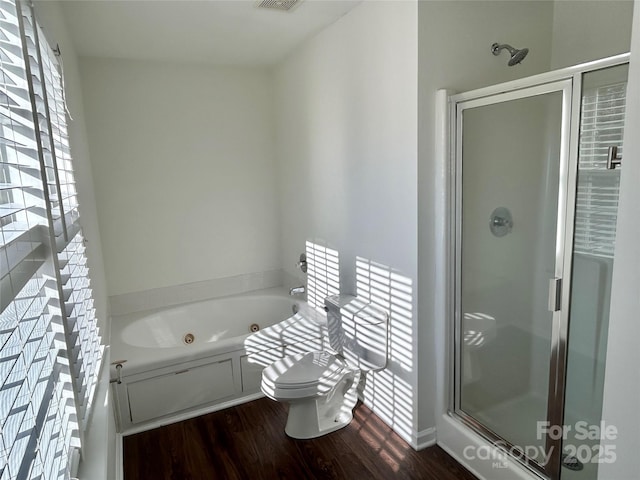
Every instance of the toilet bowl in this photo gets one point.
(321, 387)
(321, 390)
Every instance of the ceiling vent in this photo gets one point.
(284, 5)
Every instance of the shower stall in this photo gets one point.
(533, 196)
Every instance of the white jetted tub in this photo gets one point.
(183, 361)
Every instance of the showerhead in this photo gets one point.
(516, 55)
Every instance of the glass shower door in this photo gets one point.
(511, 188)
(601, 128)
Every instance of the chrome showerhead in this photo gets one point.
(516, 55)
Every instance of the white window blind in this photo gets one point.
(83, 340)
(50, 348)
(602, 126)
(85, 348)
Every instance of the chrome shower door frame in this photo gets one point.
(569, 82)
(567, 178)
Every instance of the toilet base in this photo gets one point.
(315, 417)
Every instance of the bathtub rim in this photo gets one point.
(136, 360)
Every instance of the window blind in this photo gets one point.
(50, 348)
(84, 343)
(601, 126)
(83, 340)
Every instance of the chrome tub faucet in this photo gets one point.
(297, 290)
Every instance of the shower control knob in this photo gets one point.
(500, 222)
(302, 263)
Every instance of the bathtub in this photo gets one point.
(186, 360)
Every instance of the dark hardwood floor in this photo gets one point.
(248, 442)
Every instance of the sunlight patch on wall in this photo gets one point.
(388, 392)
(393, 293)
(323, 274)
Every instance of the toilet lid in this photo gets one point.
(306, 370)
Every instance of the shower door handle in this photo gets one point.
(555, 294)
(613, 160)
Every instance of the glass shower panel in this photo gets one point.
(601, 126)
(507, 253)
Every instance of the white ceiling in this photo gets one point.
(229, 32)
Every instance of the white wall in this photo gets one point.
(585, 30)
(622, 382)
(347, 159)
(184, 171)
(98, 450)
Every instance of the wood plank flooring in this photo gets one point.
(248, 442)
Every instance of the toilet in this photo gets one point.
(321, 387)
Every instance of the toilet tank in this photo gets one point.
(358, 330)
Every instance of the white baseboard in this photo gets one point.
(424, 438)
(417, 440)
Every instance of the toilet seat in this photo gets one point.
(304, 375)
